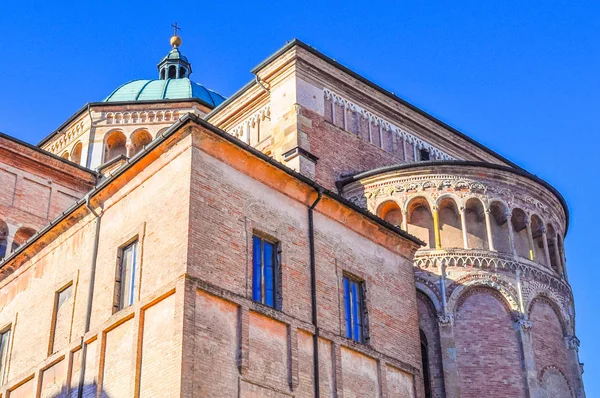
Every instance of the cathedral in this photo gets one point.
(313, 235)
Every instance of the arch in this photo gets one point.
(547, 297)
(475, 223)
(499, 226)
(420, 221)
(181, 72)
(503, 289)
(553, 249)
(390, 212)
(537, 234)
(115, 144)
(521, 238)
(172, 73)
(431, 295)
(449, 222)
(65, 155)
(162, 74)
(139, 139)
(485, 337)
(3, 239)
(21, 236)
(76, 153)
(554, 383)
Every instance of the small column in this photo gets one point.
(436, 228)
(530, 239)
(572, 343)
(488, 227)
(546, 249)
(129, 147)
(559, 264)
(511, 233)
(405, 220)
(448, 348)
(523, 329)
(463, 226)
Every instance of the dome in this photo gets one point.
(163, 89)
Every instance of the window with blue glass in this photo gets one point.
(354, 307)
(265, 271)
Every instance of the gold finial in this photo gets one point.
(175, 39)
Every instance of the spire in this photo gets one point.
(175, 65)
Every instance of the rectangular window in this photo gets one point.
(62, 319)
(125, 283)
(4, 344)
(265, 271)
(354, 307)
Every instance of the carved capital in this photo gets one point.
(523, 324)
(446, 320)
(572, 342)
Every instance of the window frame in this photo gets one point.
(56, 307)
(276, 265)
(119, 302)
(350, 315)
(4, 351)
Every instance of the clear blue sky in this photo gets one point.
(521, 77)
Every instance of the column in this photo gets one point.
(558, 259)
(546, 249)
(129, 147)
(523, 329)
(530, 239)
(572, 343)
(511, 233)
(488, 227)
(463, 226)
(436, 228)
(448, 348)
(405, 220)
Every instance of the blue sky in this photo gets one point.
(520, 77)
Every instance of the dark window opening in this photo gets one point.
(162, 74)
(4, 342)
(266, 270)
(125, 287)
(355, 309)
(181, 72)
(425, 155)
(425, 361)
(172, 72)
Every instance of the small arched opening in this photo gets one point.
(115, 144)
(449, 222)
(138, 140)
(181, 72)
(420, 221)
(65, 155)
(499, 226)
(76, 153)
(475, 222)
(162, 74)
(537, 233)
(553, 248)
(3, 239)
(21, 236)
(521, 240)
(172, 72)
(390, 212)
(561, 255)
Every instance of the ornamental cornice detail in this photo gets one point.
(572, 342)
(135, 117)
(523, 324)
(445, 320)
(239, 131)
(67, 137)
(379, 121)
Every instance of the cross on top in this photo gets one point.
(175, 29)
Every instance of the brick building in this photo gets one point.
(312, 235)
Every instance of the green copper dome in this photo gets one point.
(162, 89)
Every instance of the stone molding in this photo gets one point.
(136, 117)
(240, 130)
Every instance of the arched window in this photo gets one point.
(425, 362)
(162, 74)
(172, 72)
(65, 155)
(519, 223)
(499, 221)
(450, 228)
(21, 236)
(475, 221)
(390, 212)
(3, 238)
(553, 248)
(181, 72)
(138, 140)
(114, 145)
(76, 153)
(420, 221)
(537, 230)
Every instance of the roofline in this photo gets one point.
(411, 166)
(46, 153)
(312, 50)
(229, 100)
(201, 122)
(101, 103)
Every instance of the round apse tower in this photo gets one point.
(495, 307)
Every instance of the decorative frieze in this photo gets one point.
(242, 130)
(378, 121)
(66, 138)
(135, 117)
